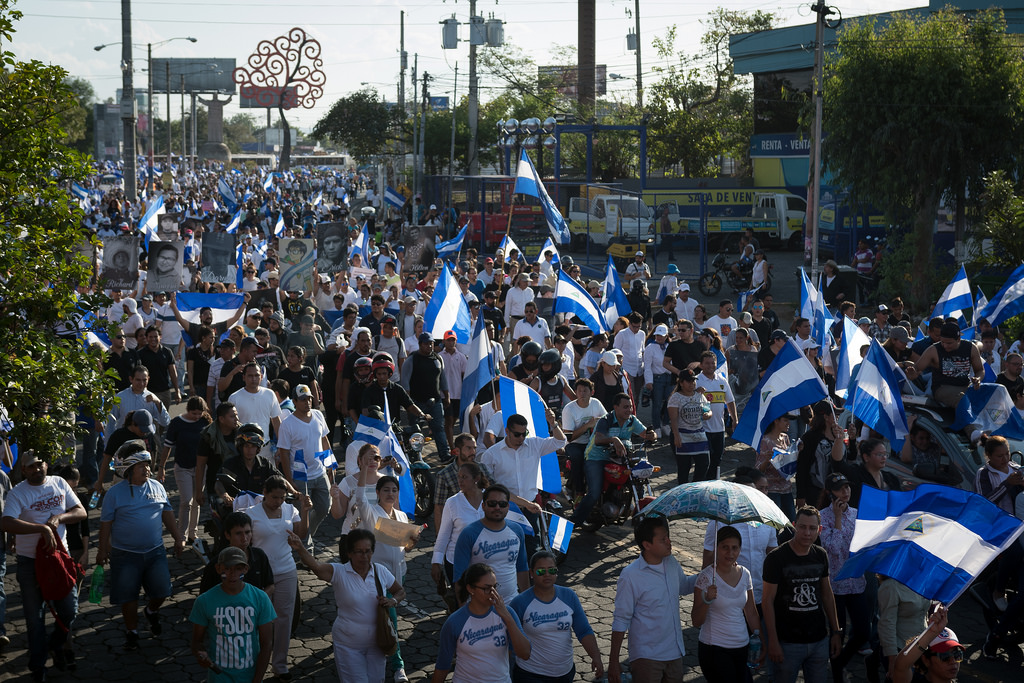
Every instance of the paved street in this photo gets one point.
(593, 564)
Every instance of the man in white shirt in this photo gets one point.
(718, 392)
(638, 269)
(454, 370)
(631, 342)
(723, 323)
(516, 300)
(302, 435)
(535, 328)
(578, 421)
(647, 606)
(685, 304)
(257, 404)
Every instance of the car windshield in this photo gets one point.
(631, 208)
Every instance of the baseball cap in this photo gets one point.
(945, 641)
(325, 279)
(253, 312)
(425, 338)
(388, 320)
(661, 329)
(864, 321)
(488, 260)
(433, 207)
(273, 275)
(684, 287)
(639, 253)
(144, 421)
(882, 308)
(779, 334)
(899, 333)
(836, 481)
(232, 557)
(147, 297)
(302, 391)
(609, 358)
(30, 458)
(950, 330)
(450, 334)
(409, 300)
(251, 341)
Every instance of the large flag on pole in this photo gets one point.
(451, 248)
(955, 298)
(519, 399)
(935, 539)
(1008, 302)
(227, 194)
(614, 303)
(479, 366)
(854, 339)
(393, 197)
(876, 400)
(790, 382)
(571, 298)
(549, 245)
(812, 307)
(528, 182)
(507, 245)
(447, 309)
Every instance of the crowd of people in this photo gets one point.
(275, 391)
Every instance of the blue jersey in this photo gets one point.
(503, 551)
(549, 627)
(481, 644)
(137, 515)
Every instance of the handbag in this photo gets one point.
(387, 634)
(56, 571)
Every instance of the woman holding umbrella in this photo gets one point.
(723, 608)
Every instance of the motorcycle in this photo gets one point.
(626, 488)
(711, 282)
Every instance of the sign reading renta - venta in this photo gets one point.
(781, 145)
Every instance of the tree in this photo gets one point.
(697, 115)
(77, 120)
(287, 71)
(999, 224)
(239, 129)
(43, 379)
(919, 108)
(362, 122)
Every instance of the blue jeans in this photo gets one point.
(659, 398)
(434, 412)
(35, 615)
(811, 657)
(594, 471)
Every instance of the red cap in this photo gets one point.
(450, 334)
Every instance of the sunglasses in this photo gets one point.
(497, 503)
(519, 434)
(550, 571)
(493, 586)
(956, 654)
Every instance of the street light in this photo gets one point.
(149, 103)
(525, 134)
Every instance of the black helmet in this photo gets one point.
(530, 349)
(553, 358)
(250, 433)
(383, 360)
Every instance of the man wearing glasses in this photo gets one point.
(494, 542)
(723, 323)
(683, 352)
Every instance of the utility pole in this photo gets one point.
(639, 68)
(474, 104)
(451, 151)
(586, 52)
(131, 178)
(415, 126)
(184, 149)
(149, 111)
(814, 196)
(403, 61)
(423, 124)
(170, 154)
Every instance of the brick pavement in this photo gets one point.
(591, 568)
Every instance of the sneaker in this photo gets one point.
(198, 546)
(866, 650)
(4, 641)
(131, 640)
(400, 676)
(154, 622)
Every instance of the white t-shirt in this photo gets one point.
(573, 416)
(259, 407)
(458, 513)
(757, 540)
(725, 625)
(37, 504)
(348, 487)
(718, 394)
(303, 440)
(723, 326)
(271, 536)
(356, 598)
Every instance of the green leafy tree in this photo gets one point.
(43, 379)
(919, 108)
(239, 129)
(999, 224)
(77, 120)
(362, 122)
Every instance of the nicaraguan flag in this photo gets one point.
(78, 191)
(479, 366)
(224, 306)
(299, 466)
(785, 460)
(519, 399)
(812, 307)
(328, 459)
(849, 354)
(571, 298)
(955, 298)
(451, 248)
(268, 182)
(560, 533)
(149, 221)
(721, 365)
(877, 400)
(227, 194)
(93, 332)
(528, 182)
(789, 383)
(361, 246)
(232, 227)
(406, 487)
(318, 199)
(447, 309)
(935, 539)
(550, 246)
(516, 516)
(393, 197)
(991, 409)
(506, 246)
(279, 226)
(614, 303)
(744, 297)
(1008, 302)
(980, 304)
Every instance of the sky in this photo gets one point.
(360, 38)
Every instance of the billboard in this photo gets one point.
(439, 103)
(563, 78)
(263, 97)
(202, 75)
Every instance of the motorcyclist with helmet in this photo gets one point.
(529, 363)
(362, 377)
(249, 469)
(550, 383)
(382, 390)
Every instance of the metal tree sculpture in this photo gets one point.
(285, 72)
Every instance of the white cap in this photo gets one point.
(661, 329)
(609, 358)
(684, 287)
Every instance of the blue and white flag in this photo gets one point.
(372, 431)
(224, 306)
(479, 366)
(299, 472)
(516, 516)
(955, 298)
(227, 194)
(361, 246)
(785, 460)
(519, 399)
(980, 304)
(232, 227)
(550, 246)
(447, 309)
(327, 458)
(571, 298)
(78, 191)
(560, 533)
(318, 199)
(990, 408)
(268, 182)
(93, 332)
(279, 226)
(744, 297)
(528, 182)
(150, 220)
(721, 365)
(239, 266)
(877, 400)
(393, 197)
(506, 246)
(450, 250)
(935, 539)
(614, 303)
(790, 383)
(853, 340)
(1008, 302)
(812, 307)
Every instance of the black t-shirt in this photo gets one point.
(799, 615)
(237, 382)
(120, 437)
(304, 375)
(765, 357)
(271, 360)
(200, 365)
(293, 308)
(763, 328)
(158, 363)
(246, 480)
(258, 575)
(681, 353)
(397, 396)
(1010, 384)
(661, 317)
(123, 363)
